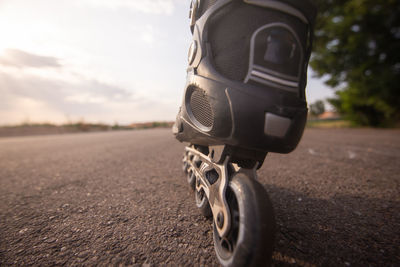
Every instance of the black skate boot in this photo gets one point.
(244, 97)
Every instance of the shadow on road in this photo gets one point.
(340, 231)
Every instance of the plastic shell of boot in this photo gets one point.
(247, 75)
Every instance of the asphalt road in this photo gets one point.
(121, 198)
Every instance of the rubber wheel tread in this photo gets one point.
(257, 224)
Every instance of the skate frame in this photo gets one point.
(201, 164)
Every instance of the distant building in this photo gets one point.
(329, 115)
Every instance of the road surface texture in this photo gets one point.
(120, 198)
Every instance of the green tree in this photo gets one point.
(317, 108)
(357, 44)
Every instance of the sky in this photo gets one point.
(99, 61)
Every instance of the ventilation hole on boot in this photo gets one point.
(201, 109)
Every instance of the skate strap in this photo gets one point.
(279, 6)
(304, 10)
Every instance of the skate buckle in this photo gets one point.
(194, 6)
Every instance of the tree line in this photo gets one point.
(357, 45)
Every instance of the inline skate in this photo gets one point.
(244, 97)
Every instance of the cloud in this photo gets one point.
(98, 93)
(63, 95)
(40, 99)
(165, 7)
(148, 35)
(40, 89)
(22, 59)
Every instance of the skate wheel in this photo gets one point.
(251, 236)
(191, 178)
(185, 166)
(202, 203)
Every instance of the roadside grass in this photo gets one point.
(28, 128)
(329, 124)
